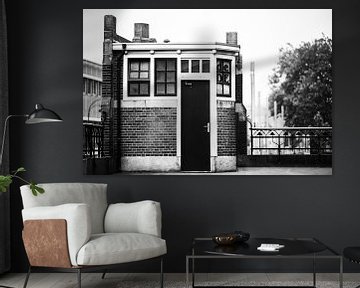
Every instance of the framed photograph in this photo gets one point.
(210, 92)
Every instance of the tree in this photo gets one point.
(302, 82)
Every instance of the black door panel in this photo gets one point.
(195, 127)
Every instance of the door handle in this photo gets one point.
(207, 126)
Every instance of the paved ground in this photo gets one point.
(257, 171)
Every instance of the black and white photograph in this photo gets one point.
(210, 91)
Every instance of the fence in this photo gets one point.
(291, 140)
(93, 140)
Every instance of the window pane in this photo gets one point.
(134, 89)
(160, 89)
(144, 75)
(184, 66)
(218, 65)
(171, 65)
(226, 66)
(219, 78)
(205, 66)
(160, 65)
(144, 89)
(160, 76)
(226, 78)
(87, 86)
(226, 89)
(134, 66)
(170, 77)
(144, 66)
(195, 66)
(219, 89)
(134, 75)
(170, 88)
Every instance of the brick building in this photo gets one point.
(92, 79)
(171, 107)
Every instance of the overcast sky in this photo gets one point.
(261, 32)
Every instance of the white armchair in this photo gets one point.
(72, 228)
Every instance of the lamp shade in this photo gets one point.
(42, 115)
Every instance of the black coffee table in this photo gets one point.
(294, 248)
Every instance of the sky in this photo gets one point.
(261, 33)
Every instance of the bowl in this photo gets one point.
(225, 239)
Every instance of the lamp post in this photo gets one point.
(39, 115)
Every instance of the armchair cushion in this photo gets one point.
(78, 221)
(113, 248)
(92, 194)
(138, 217)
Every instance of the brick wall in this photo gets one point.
(112, 89)
(148, 131)
(226, 128)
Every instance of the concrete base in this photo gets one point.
(150, 163)
(225, 163)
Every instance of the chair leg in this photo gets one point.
(103, 275)
(161, 273)
(79, 277)
(27, 277)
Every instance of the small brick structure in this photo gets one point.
(143, 88)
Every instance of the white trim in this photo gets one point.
(232, 94)
(178, 112)
(174, 47)
(149, 103)
(152, 58)
(150, 163)
(91, 119)
(213, 111)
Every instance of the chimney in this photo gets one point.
(141, 33)
(141, 30)
(109, 27)
(231, 38)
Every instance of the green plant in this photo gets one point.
(6, 180)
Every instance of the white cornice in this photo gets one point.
(175, 47)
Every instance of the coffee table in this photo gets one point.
(294, 248)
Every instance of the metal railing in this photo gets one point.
(291, 140)
(93, 140)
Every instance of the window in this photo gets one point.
(195, 66)
(205, 66)
(165, 77)
(87, 86)
(184, 66)
(223, 77)
(139, 80)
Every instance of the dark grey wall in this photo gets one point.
(45, 50)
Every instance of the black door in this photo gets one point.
(195, 126)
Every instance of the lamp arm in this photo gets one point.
(4, 134)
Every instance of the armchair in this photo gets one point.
(72, 228)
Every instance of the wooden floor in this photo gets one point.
(119, 280)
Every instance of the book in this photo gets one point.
(270, 247)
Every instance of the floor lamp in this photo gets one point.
(39, 115)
